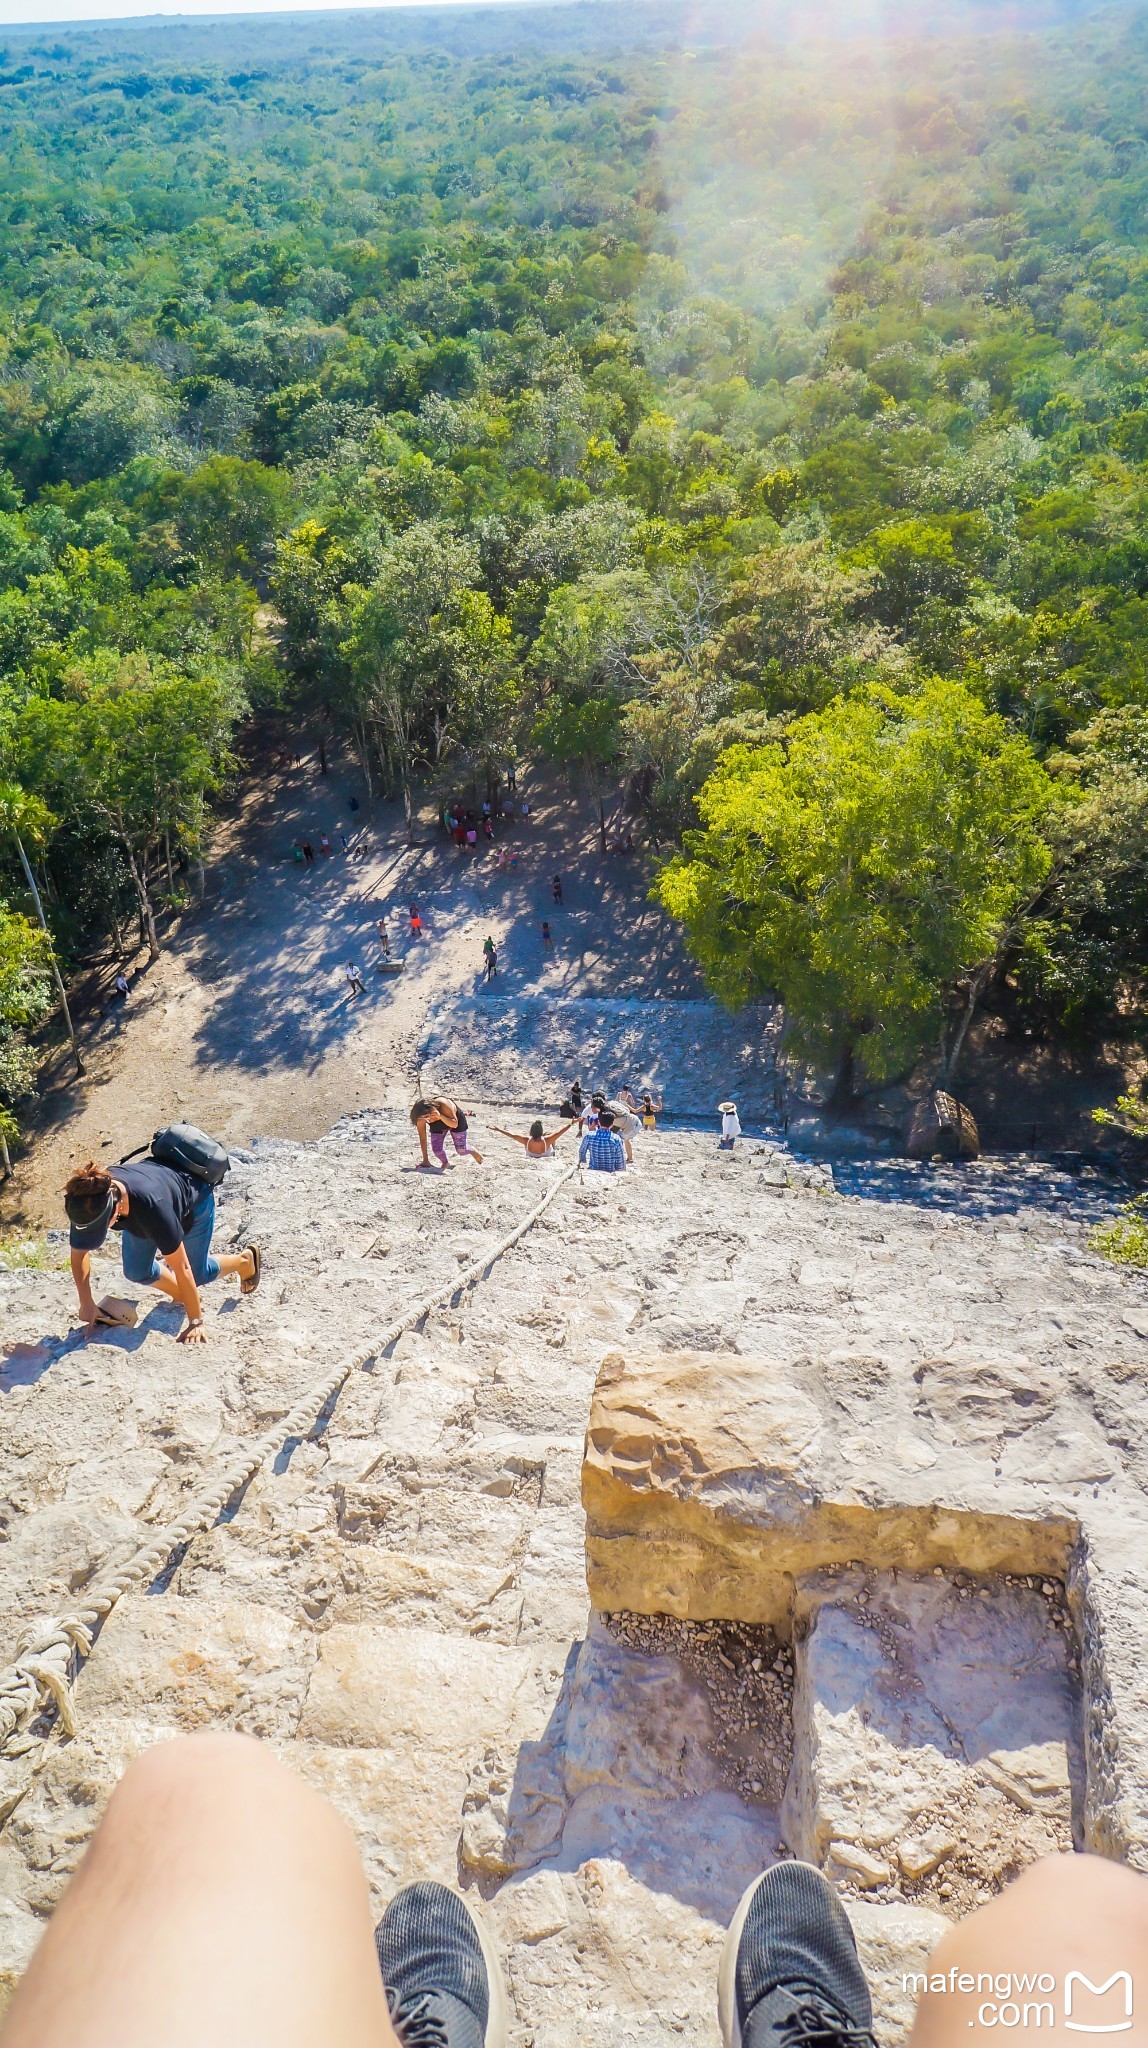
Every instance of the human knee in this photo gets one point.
(1065, 1886)
(169, 1771)
(180, 1785)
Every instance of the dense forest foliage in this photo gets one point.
(757, 427)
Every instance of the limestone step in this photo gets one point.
(937, 1734)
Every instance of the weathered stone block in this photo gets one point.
(925, 1710)
(711, 1482)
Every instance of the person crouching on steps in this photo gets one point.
(438, 1116)
(165, 1219)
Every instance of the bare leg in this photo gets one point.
(1066, 1913)
(242, 1263)
(220, 1900)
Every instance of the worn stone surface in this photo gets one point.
(937, 1735)
(400, 1606)
(19, 1933)
(513, 1047)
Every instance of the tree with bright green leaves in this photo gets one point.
(862, 868)
(29, 823)
(589, 736)
(25, 977)
(139, 746)
(1129, 1116)
(585, 655)
(593, 628)
(231, 511)
(428, 654)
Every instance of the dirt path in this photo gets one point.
(245, 1026)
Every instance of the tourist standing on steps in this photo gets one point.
(435, 1117)
(601, 1150)
(627, 1122)
(730, 1126)
(574, 1104)
(590, 1115)
(324, 843)
(308, 853)
(651, 1110)
(490, 956)
(384, 939)
(165, 1218)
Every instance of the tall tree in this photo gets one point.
(24, 1001)
(860, 867)
(424, 647)
(140, 748)
(30, 822)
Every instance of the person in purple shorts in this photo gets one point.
(435, 1119)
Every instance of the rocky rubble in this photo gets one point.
(400, 1604)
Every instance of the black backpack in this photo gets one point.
(189, 1150)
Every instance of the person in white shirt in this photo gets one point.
(730, 1127)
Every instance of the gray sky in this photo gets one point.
(19, 13)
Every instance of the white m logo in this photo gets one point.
(1075, 1977)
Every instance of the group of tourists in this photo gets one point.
(470, 827)
(606, 1128)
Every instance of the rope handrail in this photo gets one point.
(51, 1648)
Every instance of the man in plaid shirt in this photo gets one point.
(602, 1150)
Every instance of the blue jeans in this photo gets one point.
(142, 1259)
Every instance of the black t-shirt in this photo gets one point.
(161, 1203)
(440, 1129)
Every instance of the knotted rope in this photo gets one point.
(51, 1648)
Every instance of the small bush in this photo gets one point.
(1125, 1239)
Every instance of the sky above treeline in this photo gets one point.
(790, 17)
(31, 13)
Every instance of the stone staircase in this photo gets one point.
(400, 1605)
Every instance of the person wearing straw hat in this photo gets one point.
(730, 1126)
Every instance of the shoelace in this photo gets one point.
(414, 2023)
(823, 2026)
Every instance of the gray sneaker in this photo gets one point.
(789, 1974)
(441, 1975)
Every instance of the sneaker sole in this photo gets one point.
(727, 1969)
(497, 2018)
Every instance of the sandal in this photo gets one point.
(249, 1286)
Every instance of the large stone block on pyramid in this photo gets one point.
(717, 1486)
(712, 1481)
